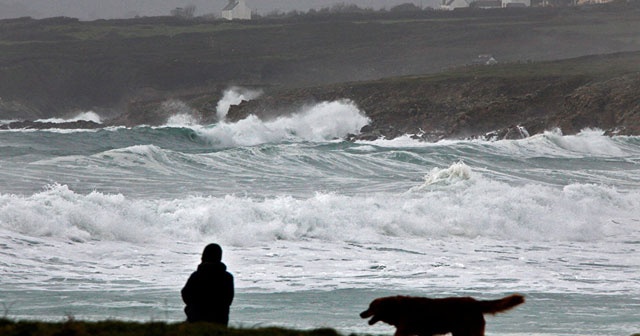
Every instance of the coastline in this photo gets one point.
(545, 313)
(491, 102)
(507, 101)
(126, 70)
(121, 328)
(411, 73)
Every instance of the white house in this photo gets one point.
(586, 2)
(516, 3)
(236, 10)
(453, 4)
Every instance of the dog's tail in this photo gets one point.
(497, 306)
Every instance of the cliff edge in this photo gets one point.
(501, 101)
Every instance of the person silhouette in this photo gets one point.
(209, 290)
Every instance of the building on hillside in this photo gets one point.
(516, 3)
(588, 2)
(553, 3)
(236, 10)
(485, 59)
(486, 4)
(453, 4)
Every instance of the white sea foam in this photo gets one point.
(455, 173)
(181, 113)
(466, 205)
(410, 220)
(588, 141)
(83, 116)
(405, 141)
(182, 119)
(234, 96)
(309, 221)
(321, 122)
(519, 237)
(151, 157)
(61, 213)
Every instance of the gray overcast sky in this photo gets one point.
(105, 9)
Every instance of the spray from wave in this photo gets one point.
(181, 114)
(322, 122)
(480, 207)
(590, 141)
(83, 116)
(234, 96)
(457, 172)
(316, 123)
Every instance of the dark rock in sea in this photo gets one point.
(507, 102)
(509, 133)
(81, 124)
(49, 67)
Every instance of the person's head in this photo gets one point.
(212, 253)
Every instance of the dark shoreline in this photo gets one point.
(411, 73)
(509, 101)
(72, 327)
(492, 102)
(121, 328)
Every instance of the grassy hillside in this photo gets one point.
(52, 66)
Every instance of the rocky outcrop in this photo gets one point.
(57, 65)
(80, 124)
(612, 104)
(496, 107)
(468, 103)
(16, 110)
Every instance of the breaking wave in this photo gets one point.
(234, 96)
(83, 116)
(479, 207)
(457, 172)
(321, 122)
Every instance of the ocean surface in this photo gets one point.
(109, 223)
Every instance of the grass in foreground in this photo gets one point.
(119, 328)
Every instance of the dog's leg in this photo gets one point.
(401, 332)
(472, 328)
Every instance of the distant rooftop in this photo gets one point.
(231, 5)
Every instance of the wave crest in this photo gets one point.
(82, 116)
(455, 173)
(234, 96)
(484, 208)
(321, 122)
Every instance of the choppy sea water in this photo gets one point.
(109, 223)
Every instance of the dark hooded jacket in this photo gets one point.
(208, 294)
